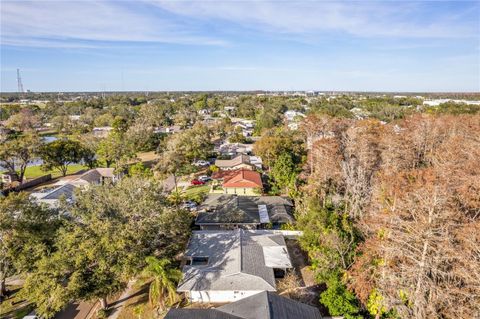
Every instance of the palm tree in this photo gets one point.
(163, 286)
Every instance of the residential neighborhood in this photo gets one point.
(239, 159)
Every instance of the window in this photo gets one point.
(199, 261)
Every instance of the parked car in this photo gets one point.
(190, 205)
(204, 178)
(201, 163)
(197, 182)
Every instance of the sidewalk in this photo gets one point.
(117, 306)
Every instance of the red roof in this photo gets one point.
(243, 179)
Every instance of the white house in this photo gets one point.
(290, 115)
(226, 266)
(102, 131)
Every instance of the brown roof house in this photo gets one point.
(239, 162)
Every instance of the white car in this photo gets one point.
(204, 178)
(201, 163)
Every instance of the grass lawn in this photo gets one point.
(147, 156)
(194, 191)
(35, 171)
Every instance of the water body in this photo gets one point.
(38, 161)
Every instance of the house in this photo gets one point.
(226, 266)
(65, 188)
(95, 176)
(240, 182)
(291, 115)
(264, 305)
(256, 161)
(102, 131)
(10, 177)
(52, 197)
(239, 162)
(168, 129)
(233, 149)
(222, 211)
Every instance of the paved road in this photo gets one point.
(169, 184)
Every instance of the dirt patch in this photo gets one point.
(300, 262)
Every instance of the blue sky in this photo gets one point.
(241, 45)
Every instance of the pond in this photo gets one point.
(38, 161)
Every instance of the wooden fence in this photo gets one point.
(28, 184)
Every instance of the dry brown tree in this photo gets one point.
(422, 225)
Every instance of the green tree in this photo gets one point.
(139, 170)
(340, 301)
(267, 119)
(120, 125)
(162, 291)
(115, 149)
(113, 229)
(17, 152)
(178, 151)
(276, 142)
(331, 240)
(27, 231)
(285, 173)
(60, 154)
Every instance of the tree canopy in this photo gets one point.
(112, 230)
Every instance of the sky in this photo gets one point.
(119, 45)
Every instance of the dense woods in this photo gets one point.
(395, 210)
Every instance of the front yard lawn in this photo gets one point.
(194, 192)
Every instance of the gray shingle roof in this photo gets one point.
(198, 314)
(233, 209)
(236, 261)
(66, 190)
(267, 305)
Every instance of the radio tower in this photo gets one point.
(19, 82)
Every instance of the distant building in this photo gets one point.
(102, 131)
(168, 129)
(74, 117)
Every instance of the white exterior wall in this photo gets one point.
(220, 296)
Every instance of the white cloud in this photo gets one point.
(359, 18)
(92, 24)
(79, 24)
